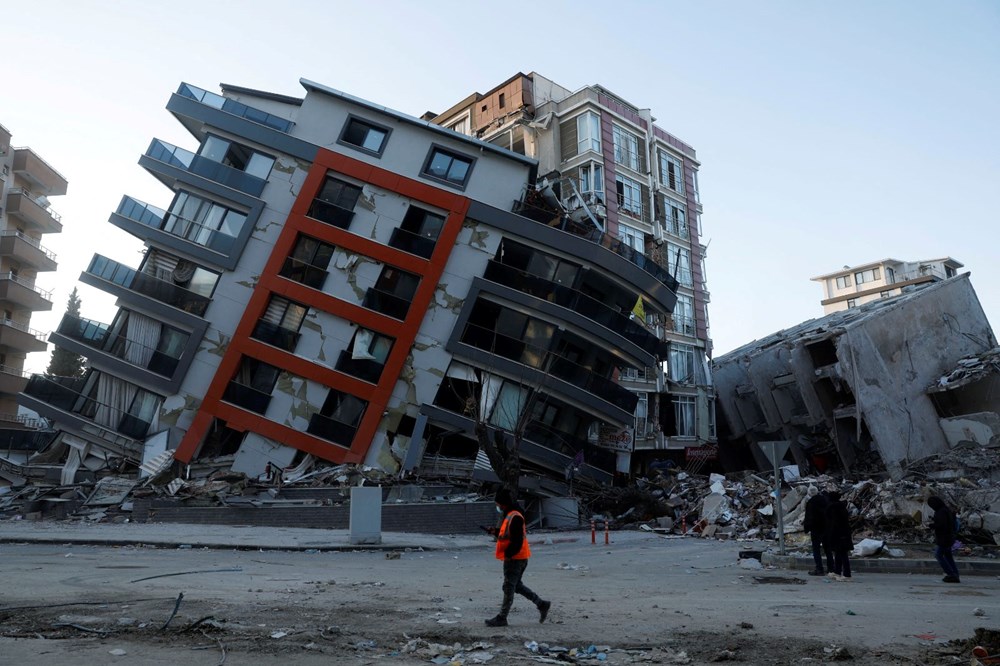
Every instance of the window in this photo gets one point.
(697, 194)
(140, 414)
(204, 222)
(671, 172)
(890, 276)
(885, 294)
(948, 271)
(683, 315)
(503, 100)
(237, 156)
(367, 136)
(684, 415)
(629, 196)
(366, 355)
(852, 303)
(392, 293)
(843, 281)
(626, 148)
(674, 218)
(679, 263)
(680, 366)
(869, 275)
(308, 262)
(339, 418)
(449, 167)
(641, 414)
(418, 232)
(631, 237)
(592, 180)
(280, 324)
(335, 203)
(252, 384)
(588, 132)
(508, 403)
(463, 125)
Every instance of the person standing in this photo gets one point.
(814, 525)
(943, 523)
(838, 536)
(512, 548)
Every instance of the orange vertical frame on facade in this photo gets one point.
(270, 282)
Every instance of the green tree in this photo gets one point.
(65, 363)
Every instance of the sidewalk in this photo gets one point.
(915, 565)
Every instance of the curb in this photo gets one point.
(885, 565)
(148, 543)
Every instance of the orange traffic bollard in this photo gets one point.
(593, 532)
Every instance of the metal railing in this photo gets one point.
(224, 174)
(23, 327)
(7, 370)
(246, 397)
(408, 241)
(95, 334)
(304, 273)
(34, 242)
(331, 429)
(26, 421)
(28, 284)
(236, 108)
(926, 271)
(33, 199)
(386, 303)
(175, 225)
(682, 324)
(64, 393)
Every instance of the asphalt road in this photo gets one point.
(640, 591)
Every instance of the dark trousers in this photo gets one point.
(820, 547)
(512, 572)
(946, 560)
(841, 562)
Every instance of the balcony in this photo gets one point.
(158, 219)
(576, 301)
(169, 293)
(362, 368)
(178, 158)
(24, 293)
(386, 303)
(246, 397)
(683, 325)
(303, 273)
(551, 363)
(27, 250)
(236, 108)
(94, 335)
(12, 380)
(60, 399)
(412, 243)
(24, 206)
(20, 337)
(275, 335)
(331, 430)
(32, 168)
(331, 214)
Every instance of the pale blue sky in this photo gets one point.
(829, 133)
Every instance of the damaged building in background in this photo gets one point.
(327, 281)
(850, 391)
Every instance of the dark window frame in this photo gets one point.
(454, 154)
(351, 118)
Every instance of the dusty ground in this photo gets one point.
(640, 599)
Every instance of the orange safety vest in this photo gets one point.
(503, 539)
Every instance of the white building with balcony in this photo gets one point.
(856, 285)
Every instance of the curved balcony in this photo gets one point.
(574, 300)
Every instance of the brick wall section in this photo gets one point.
(426, 517)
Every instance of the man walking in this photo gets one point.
(838, 535)
(814, 525)
(512, 548)
(943, 523)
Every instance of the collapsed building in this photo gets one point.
(328, 282)
(849, 391)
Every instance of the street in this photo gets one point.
(645, 597)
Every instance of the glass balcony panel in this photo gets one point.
(205, 167)
(236, 108)
(307, 274)
(143, 283)
(248, 398)
(362, 368)
(275, 335)
(412, 243)
(331, 430)
(133, 426)
(386, 303)
(331, 214)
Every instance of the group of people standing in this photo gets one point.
(827, 521)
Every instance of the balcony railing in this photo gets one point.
(386, 303)
(362, 368)
(684, 325)
(64, 393)
(7, 370)
(924, 272)
(189, 230)
(247, 397)
(30, 241)
(23, 327)
(304, 273)
(95, 334)
(236, 108)
(148, 285)
(202, 166)
(572, 299)
(675, 227)
(550, 362)
(275, 335)
(331, 430)
(412, 243)
(44, 205)
(27, 284)
(331, 214)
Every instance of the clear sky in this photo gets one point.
(830, 134)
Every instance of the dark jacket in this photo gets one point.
(943, 523)
(838, 524)
(815, 520)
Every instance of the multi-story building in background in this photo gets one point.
(26, 183)
(617, 178)
(856, 285)
(325, 279)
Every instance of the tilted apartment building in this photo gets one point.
(327, 279)
(26, 183)
(623, 181)
(856, 285)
